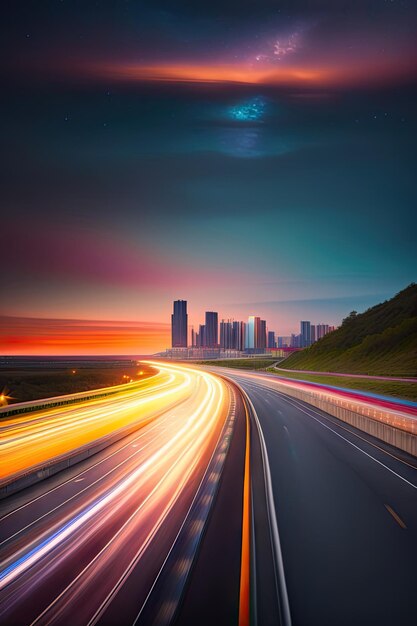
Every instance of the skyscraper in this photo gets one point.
(238, 335)
(194, 336)
(262, 335)
(312, 333)
(271, 339)
(322, 330)
(255, 333)
(226, 335)
(250, 338)
(212, 329)
(202, 336)
(305, 332)
(179, 324)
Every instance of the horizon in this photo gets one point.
(262, 163)
(105, 326)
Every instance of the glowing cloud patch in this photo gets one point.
(249, 111)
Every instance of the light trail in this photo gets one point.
(129, 514)
(31, 441)
(401, 414)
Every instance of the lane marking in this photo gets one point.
(244, 590)
(395, 516)
(349, 442)
(280, 582)
(332, 419)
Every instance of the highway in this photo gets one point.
(344, 514)
(118, 533)
(215, 496)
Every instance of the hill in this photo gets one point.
(380, 341)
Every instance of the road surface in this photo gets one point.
(118, 533)
(151, 529)
(346, 512)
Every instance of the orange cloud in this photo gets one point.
(337, 73)
(208, 73)
(38, 336)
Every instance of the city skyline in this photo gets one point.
(255, 155)
(253, 334)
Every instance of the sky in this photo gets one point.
(251, 157)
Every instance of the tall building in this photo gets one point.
(296, 341)
(202, 336)
(238, 335)
(322, 330)
(284, 342)
(194, 337)
(262, 335)
(271, 339)
(212, 330)
(312, 333)
(305, 332)
(179, 324)
(226, 335)
(255, 334)
(250, 339)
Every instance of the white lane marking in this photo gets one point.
(349, 442)
(342, 425)
(86, 488)
(87, 469)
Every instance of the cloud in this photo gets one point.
(38, 336)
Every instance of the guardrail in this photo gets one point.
(393, 427)
(39, 472)
(57, 464)
(42, 403)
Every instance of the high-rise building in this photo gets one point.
(202, 336)
(194, 336)
(179, 324)
(262, 335)
(212, 330)
(312, 333)
(226, 335)
(255, 334)
(238, 335)
(296, 341)
(271, 339)
(322, 330)
(305, 332)
(250, 339)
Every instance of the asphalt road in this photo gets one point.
(346, 510)
(91, 544)
(149, 531)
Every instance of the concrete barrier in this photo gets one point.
(39, 472)
(397, 429)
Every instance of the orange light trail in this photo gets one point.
(128, 505)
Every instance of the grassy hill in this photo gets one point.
(381, 341)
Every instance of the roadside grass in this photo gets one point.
(407, 391)
(21, 385)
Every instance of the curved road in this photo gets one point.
(149, 530)
(93, 543)
(346, 510)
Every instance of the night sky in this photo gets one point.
(255, 158)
